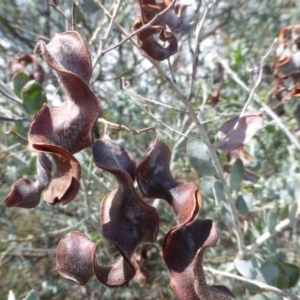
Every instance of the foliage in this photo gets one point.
(231, 123)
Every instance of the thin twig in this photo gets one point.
(47, 234)
(74, 16)
(17, 135)
(13, 154)
(123, 127)
(148, 112)
(103, 41)
(267, 235)
(39, 36)
(30, 252)
(121, 29)
(125, 86)
(9, 94)
(62, 14)
(261, 285)
(14, 120)
(196, 49)
(142, 12)
(171, 70)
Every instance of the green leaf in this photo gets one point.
(284, 212)
(297, 186)
(200, 158)
(244, 204)
(244, 268)
(218, 191)
(273, 273)
(271, 220)
(32, 296)
(206, 184)
(272, 244)
(33, 96)
(226, 216)
(236, 176)
(19, 80)
(32, 163)
(292, 211)
(248, 268)
(267, 296)
(292, 272)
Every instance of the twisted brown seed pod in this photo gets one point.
(156, 181)
(185, 244)
(149, 44)
(287, 60)
(171, 22)
(26, 193)
(67, 129)
(126, 220)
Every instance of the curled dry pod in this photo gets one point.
(287, 61)
(185, 244)
(126, 220)
(183, 252)
(20, 64)
(67, 129)
(156, 181)
(288, 53)
(172, 21)
(74, 257)
(76, 261)
(152, 47)
(69, 126)
(26, 193)
(65, 181)
(174, 18)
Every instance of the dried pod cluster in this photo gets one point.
(63, 131)
(170, 22)
(127, 221)
(287, 62)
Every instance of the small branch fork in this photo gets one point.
(125, 85)
(123, 127)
